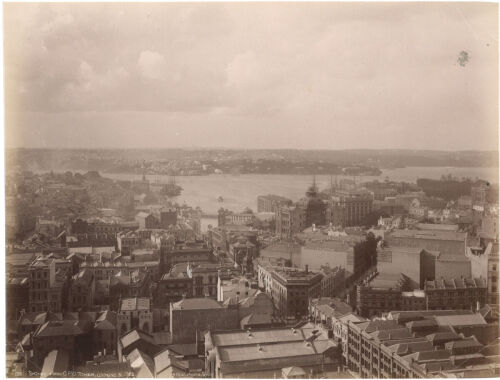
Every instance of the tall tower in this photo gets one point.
(143, 167)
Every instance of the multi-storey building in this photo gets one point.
(265, 276)
(104, 334)
(445, 242)
(271, 353)
(289, 221)
(128, 241)
(225, 217)
(292, 289)
(104, 270)
(314, 207)
(418, 344)
(46, 288)
(221, 237)
(173, 286)
(204, 278)
(146, 220)
(184, 252)
(81, 291)
(72, 337)
(242, 252)
(484, 264)
(271, 203)
(349, 208)
(17, 296)
(333, 281)
(391, 292)
(135, 313)
(381, 294)
(455, 293)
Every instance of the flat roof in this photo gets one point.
(273, 350)
(429, 234)
(261, 336)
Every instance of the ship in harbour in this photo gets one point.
(171, 189)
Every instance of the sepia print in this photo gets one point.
(251, 190)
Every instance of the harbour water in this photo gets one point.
(241, 191)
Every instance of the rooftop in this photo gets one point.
(261, 336)
(460, 320)
(429, 234)
(55, 364)
(273, 351)
(136, 303)
(62, 328)
(455, 283)
(196, 303)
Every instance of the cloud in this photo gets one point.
(244, 70)
(290, 69)
(58, 23)
(151, 64)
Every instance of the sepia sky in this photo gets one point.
(261, 75)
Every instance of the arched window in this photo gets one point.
(145, 327)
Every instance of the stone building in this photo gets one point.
(81, 291)
(271, 203)
(135, 313)
(292, 289)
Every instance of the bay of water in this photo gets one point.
(240, 191)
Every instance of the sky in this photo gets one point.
(252, 75)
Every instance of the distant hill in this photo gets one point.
(133, 160)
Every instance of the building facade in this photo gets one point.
(292, 289)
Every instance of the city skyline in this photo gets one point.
(270, 76)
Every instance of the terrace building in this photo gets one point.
(419, 344)
(46, 287)
(455, 293)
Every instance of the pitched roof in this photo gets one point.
(460, 320)
(293, 371)
(442, 336)
(256, 319)
(106, 321)
(371, 326)
(134, 336)
(196, 303)
(187, 349)
(62, 328)
(141, 363)
(409, 348)
(391, 334)
(162, 361)
(464, 343)
(55, 363)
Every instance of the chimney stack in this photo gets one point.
(307, 268)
